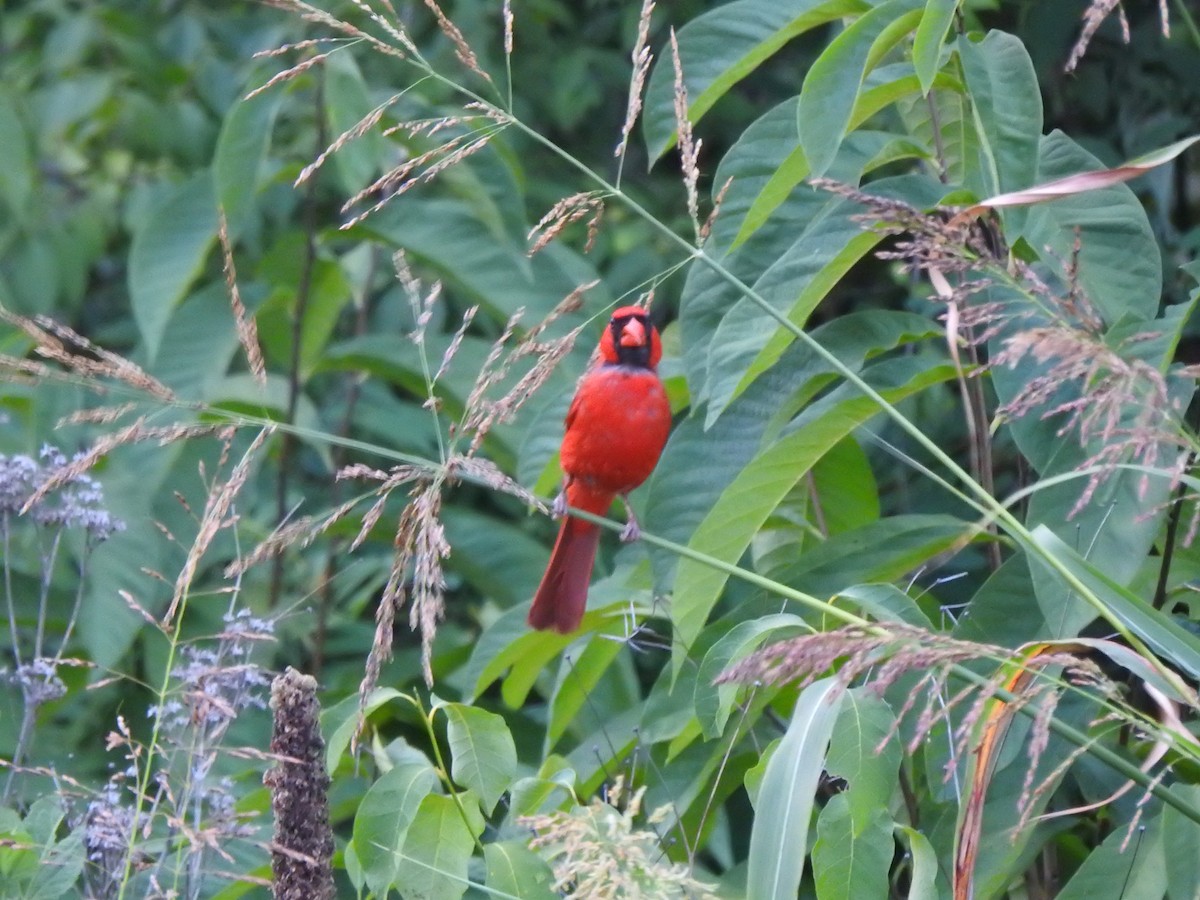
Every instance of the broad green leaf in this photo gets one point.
(198, 344)
(483, 756)
(437, 848)
(758, 488)
(384, 815)
(714, 702)
(239, 156)
(865, 751)
(794, 285)
(883, 550)
(720, 48)
(16, 170)
(578, 677)
(886, 603)
(783, 810)
(515, 870)
(931, 34)
(341, 722)
(1003, 87)
(844, 488)
(1175, 644)
(485, 544)
(922, 879)
(944, 125)
(1123, 867)
(448, 236)
(1181, 845)
(347, 101)
(832, 84)
(168, 252)
(1119, 265)
(851, 860)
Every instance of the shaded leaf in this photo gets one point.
(783, 808)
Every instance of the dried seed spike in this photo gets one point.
(361, 127)
(642, 58)
(455, 342)
(247, 327)
(290, 73)
(689, 148)
(507, 15)
(462, 49)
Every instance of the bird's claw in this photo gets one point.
(558, 508)
(631, 532)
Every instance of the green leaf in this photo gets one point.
(383, 819)
(849, 860)
(886, 603)
(844, 488)
(347, 102)
(168, 252)
(515, 870)
(720, 48)
(1003, 87)
(714, 702)
(341, 721)
(833, 82)
(16, 167)
(779, 835)
(1119, 264)
(807, 271)
(578, 677)
(1181, 845)
(883, 550)
(931, 34)
(865, 752)
(922, 879)
(759, 487)
(1121, 868)
(483, 756)
(1162, 634)
(437, 849)
(240, 154)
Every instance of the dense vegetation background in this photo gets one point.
(290, 301)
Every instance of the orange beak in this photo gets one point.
(633, 334)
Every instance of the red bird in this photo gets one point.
(616, 428)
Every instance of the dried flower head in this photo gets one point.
(598, 851)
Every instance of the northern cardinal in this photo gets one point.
(616, 428)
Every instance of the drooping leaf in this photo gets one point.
(783, 810)
(168, 252)
(833, 82)
(723, 46)
(1007, 110)
(928, 40)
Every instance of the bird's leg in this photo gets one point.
(632, 530)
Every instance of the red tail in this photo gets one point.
(562, 596)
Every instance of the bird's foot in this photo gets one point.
(632, 530)
(558, 508)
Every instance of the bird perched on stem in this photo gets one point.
(616, 428)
